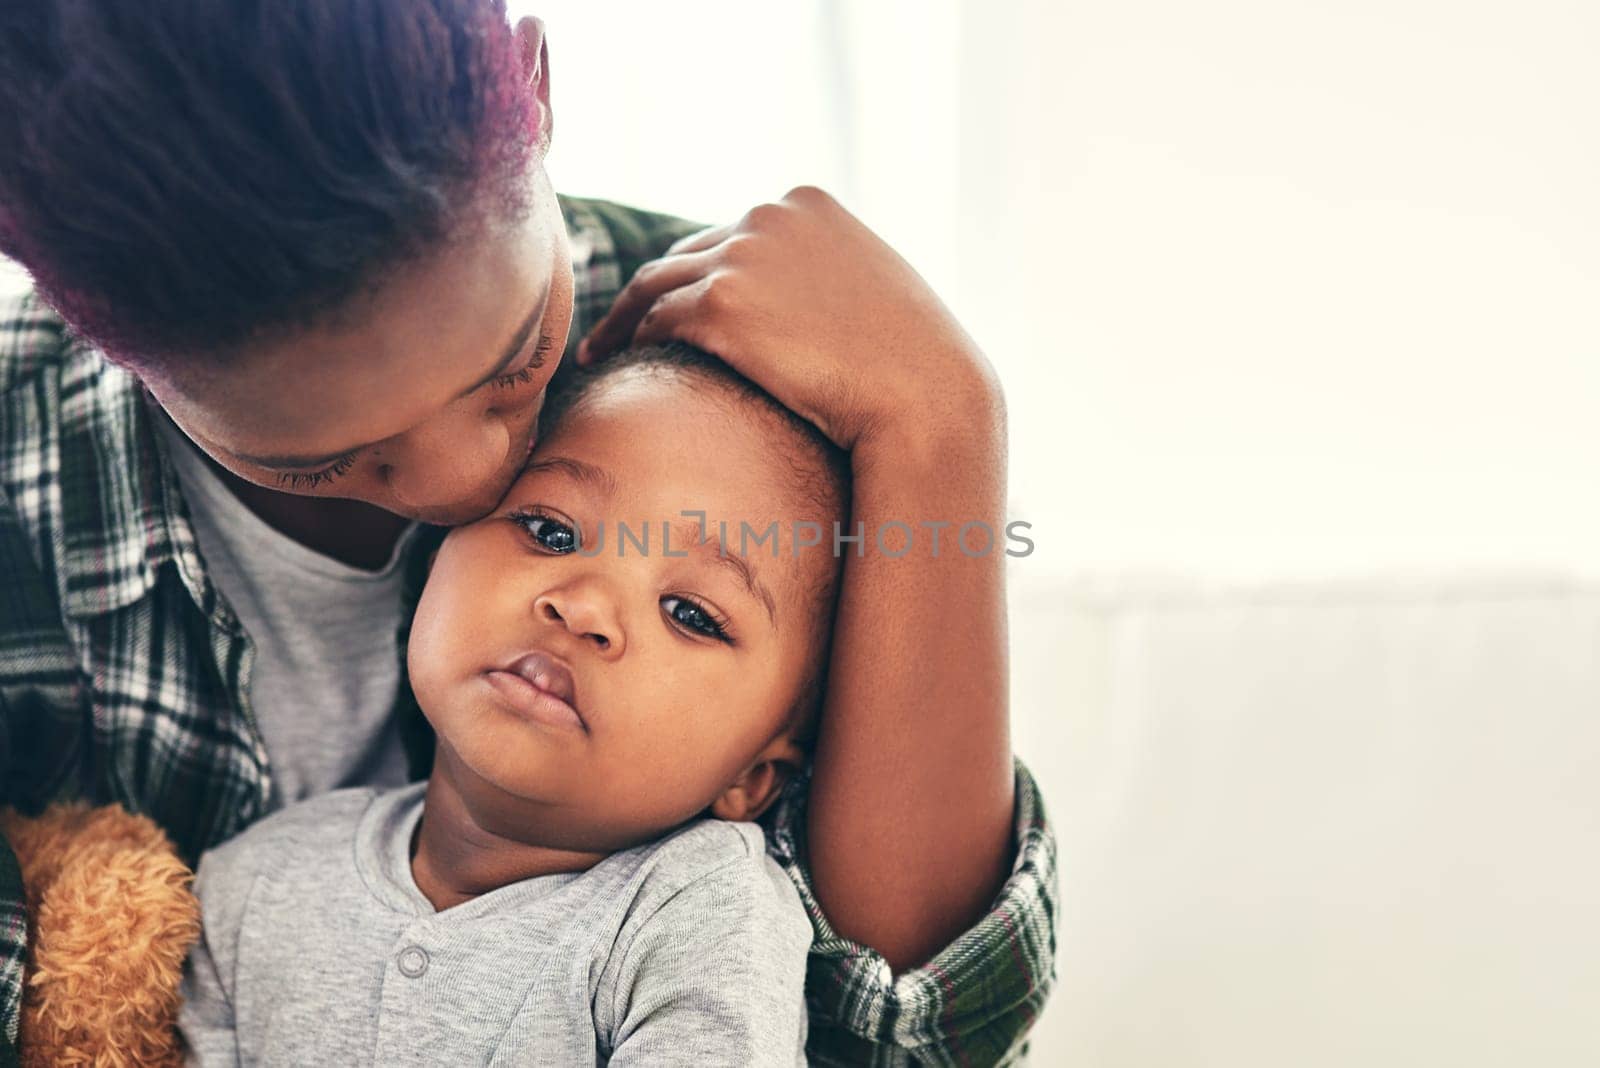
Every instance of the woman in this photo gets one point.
(309, 255)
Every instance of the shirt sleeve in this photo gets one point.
(42, 717)
(973, 1003)
(13, 949)
(713, 976)
(205, 1016)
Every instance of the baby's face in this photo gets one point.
(592, 701)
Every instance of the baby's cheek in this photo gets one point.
(666, 740)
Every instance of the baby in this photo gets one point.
(603, 673)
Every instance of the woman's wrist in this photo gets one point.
(959, 430)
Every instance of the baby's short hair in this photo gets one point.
(819, 471)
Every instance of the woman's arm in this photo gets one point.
(911, 797)
(911, 804)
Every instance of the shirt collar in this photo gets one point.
(123, 518)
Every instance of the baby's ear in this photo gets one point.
(758, 786)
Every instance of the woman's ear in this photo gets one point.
(757, 787)
(536, 65)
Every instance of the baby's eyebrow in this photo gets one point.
(580, 470)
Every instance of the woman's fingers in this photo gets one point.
(653, 280)
(679, 314)
(701, 239)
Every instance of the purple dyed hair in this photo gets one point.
(182, 176)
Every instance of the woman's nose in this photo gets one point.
(585, 612)
(451, 458)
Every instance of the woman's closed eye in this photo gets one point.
(303, 480)
(535, 362)
(312, 479)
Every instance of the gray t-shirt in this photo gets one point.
(326, 663)
(318, 949)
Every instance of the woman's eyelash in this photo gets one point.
(313, 479)
(517, 378)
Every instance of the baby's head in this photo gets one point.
(594, 683)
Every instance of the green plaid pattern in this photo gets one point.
(972, 1004)
(124, 677)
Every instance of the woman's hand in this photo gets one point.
(801, 298)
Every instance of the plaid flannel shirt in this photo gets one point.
(124, 677)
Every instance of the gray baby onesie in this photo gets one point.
(318, 949)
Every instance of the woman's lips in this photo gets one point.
(539, 687)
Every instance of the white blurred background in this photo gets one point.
(1295, 304)
(1271, 283)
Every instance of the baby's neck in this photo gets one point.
(454, 859)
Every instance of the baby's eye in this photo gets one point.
(692, 617)
(548, 533)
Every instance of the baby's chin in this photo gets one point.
(558, 803)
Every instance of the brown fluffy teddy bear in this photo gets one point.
(111, 917)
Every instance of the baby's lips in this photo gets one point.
(547, 673)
